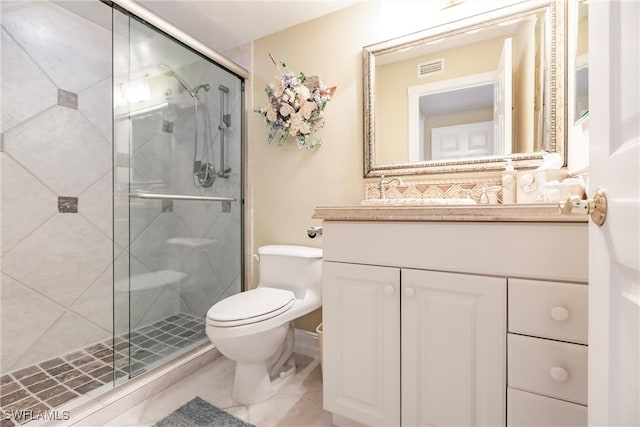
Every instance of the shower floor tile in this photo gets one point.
(38, 389)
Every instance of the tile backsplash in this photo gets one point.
(422, 188)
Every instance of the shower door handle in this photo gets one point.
(155, 196)
(225, 123)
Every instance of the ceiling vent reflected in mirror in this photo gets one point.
(430, 68)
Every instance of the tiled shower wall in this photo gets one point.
(59, 234)
(56, 182)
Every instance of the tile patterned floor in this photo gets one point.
(296, 404)
(39, 388)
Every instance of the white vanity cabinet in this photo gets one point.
(452, 349)
(435, 338)
(415, 325)
(361, 309)
(547, 375)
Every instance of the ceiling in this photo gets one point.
(224, 24)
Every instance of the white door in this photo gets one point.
(361, 347)
(453, 349)
(462, 141)
(614, 272)
(503, 100)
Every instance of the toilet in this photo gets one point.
(255, 328)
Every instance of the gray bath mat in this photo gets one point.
(199, 413)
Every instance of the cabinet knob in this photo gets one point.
(559, 314)
(388, 289)
(409, 292)
(559, 374)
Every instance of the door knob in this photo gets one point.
(596, 206)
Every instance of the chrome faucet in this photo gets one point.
(384, 184)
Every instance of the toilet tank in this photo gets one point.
(294, 268)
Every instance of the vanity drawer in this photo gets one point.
(549, 309)
(528, 409)
(546, 367)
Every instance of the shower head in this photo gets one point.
(204, 86)
(223, 88)
(170, 72)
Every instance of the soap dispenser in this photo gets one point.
(509, 189)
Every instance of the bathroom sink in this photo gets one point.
(432, 201)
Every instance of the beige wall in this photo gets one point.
(287, 183)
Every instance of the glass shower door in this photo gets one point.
(177, 127)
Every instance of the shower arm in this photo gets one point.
(225, 122)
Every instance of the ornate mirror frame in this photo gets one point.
(554, 115)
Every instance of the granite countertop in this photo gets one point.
(464, 213)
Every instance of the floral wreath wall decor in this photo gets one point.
(296, 106)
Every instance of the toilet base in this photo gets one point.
(252, 383)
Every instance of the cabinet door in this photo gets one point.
(361, 342)
(453, 349)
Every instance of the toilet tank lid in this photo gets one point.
(290, 250)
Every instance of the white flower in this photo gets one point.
(303, 92)
(308, 108)
(286, 109)
(272, 116)
(277, 87)
(298, 125)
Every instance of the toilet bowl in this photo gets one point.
(255, 328)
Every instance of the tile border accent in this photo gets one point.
(67, 204)
(67, 99)
(434, 188)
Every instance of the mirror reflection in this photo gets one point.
(473, 93)
(582, 63)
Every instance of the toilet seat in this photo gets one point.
(250, 307)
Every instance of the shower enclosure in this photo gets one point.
(177, 190)
(121, 195)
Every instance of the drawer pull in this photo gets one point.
(559, 374)
(409, 292)
(559, 314)
(388, 289)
